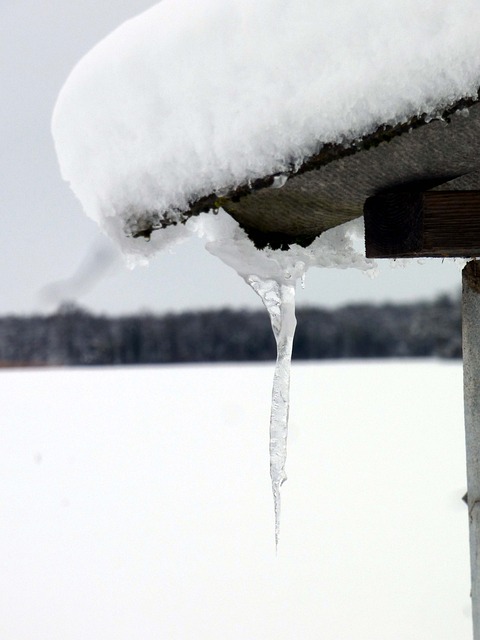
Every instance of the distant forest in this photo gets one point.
(73, 336)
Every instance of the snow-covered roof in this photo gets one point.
(286, 114)
(330, 188)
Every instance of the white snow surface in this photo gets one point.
(191, 98)
(136, 504)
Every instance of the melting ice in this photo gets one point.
(273, 275)
(279, 300)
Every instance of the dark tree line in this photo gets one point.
(73, 336)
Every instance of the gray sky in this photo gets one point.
(51, 252)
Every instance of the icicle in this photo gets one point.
(279, 300)
(273, 275)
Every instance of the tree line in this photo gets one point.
(74, 336)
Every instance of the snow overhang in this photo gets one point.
(286, 116)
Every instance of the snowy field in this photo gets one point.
(136, 504)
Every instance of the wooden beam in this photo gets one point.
(471, 383)
(431, 224)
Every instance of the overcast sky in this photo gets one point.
(51, 252)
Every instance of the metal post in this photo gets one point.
(471, 382)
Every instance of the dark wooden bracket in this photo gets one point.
(432, 224)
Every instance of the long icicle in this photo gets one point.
(279, 300)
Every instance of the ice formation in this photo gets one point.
(279, 300)
(273, 275)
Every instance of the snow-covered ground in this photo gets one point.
(136, 504)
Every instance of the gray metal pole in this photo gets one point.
(471, 382)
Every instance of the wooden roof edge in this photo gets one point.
(334, 151)
(144, 224)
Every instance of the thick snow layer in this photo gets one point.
(191, 97)
(136, 503)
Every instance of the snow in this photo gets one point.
(136, 504)
(191, 98)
